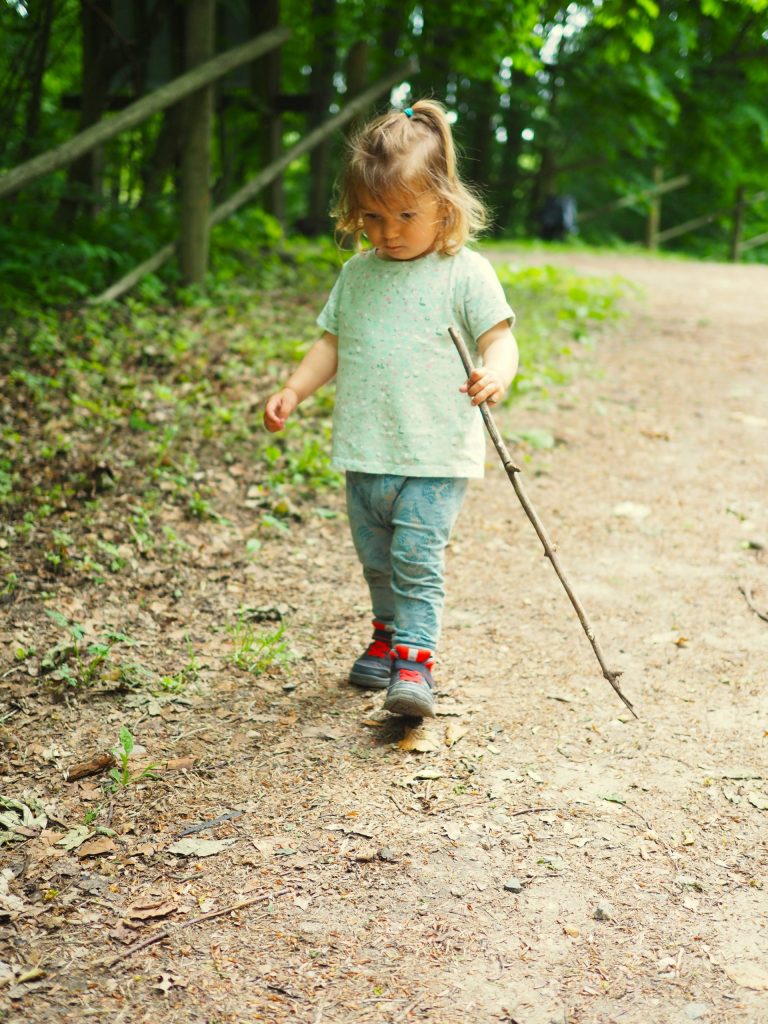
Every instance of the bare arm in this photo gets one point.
(316, 368)
(489, 382)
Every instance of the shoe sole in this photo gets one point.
(368, 682)
(410, 701)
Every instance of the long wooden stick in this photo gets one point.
(549, 549)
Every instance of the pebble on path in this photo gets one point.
(604, 911)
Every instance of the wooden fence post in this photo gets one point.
(654, 211)
(352, 109)
(318, 220)
(196, 151)
(265, 82)
(737, 227)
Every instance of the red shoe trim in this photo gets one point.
(410, 675)
(420, 654)
(378, 649)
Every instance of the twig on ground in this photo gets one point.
(213, 823)
(513, 472)
(167, 932)
(397, 805)
(746, 591)
(531, 810)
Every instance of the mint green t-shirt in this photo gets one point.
(398, 406)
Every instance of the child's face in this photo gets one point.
(402, 227)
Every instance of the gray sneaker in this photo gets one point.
(410, 690)
(371, 670)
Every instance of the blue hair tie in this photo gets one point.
(408, 112)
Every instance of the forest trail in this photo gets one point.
(545, 859)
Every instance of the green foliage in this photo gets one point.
(74, 663)
(558, 310)
(123, 775)
(255, 650)
(545, 98)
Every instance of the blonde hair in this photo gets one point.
(403, 154)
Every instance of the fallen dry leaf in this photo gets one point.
(748, 420)
(453, 733)
(418, 740)
(94, 766)
(97, 847)
(178, 764)
(143, 910)
(169, 981)
(454, 830)
(655, 434)
(631, 510)
(199, 847)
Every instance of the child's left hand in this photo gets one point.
(484, 385)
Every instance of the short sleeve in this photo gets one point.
(485, 303)
(329, 314)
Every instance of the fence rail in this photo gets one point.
(164, 96)
(654, 236)
(263, 178)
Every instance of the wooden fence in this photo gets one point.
(263, 178)
(194, 88)
(654, 236)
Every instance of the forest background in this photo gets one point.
(589, 100)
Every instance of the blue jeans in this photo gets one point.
(400, 527)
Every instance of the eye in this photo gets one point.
(407, 216)
(370, 216)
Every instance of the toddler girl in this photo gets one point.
(404, 426)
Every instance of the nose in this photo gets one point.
(389, 229)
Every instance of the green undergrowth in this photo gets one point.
(128, 427)
(559, 315)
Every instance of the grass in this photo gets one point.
(559, 312)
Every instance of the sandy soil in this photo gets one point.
(544, 858)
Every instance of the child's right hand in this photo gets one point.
(278, 408)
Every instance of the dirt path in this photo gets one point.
(466, 882)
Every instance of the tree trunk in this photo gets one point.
(37, 71)
(196, 154)
(356, 74)
(321, 87)
(507, 179)
(84, 184)
(265, 83)
(393, 22)
(483, 103)
(164, 158)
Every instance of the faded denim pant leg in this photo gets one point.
(400, 527)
